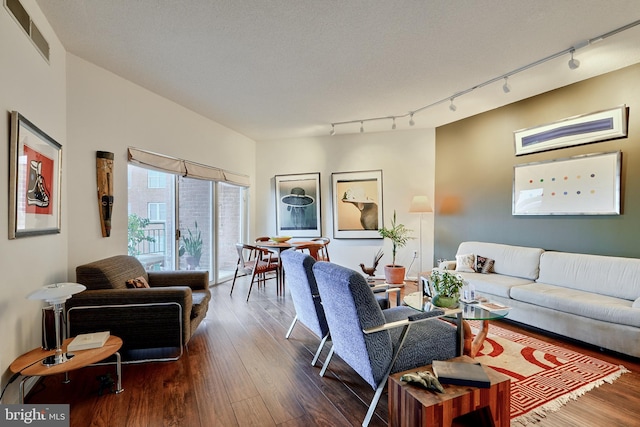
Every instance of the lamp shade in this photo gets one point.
(56, 293)
(420, 204)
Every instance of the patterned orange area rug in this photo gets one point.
(544, 377)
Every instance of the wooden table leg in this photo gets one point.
(472, 345)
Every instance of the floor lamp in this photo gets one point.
(56, 295)
(421, 205)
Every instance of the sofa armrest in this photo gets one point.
(196, 280)
(447, 265)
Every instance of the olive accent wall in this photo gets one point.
(474, 173)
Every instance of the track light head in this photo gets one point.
(411, 122)
(505, 87)
(573, 63)
(361, 127)
(393, 126)
(333, 129)
(452, 106)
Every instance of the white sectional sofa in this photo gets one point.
(591, 298)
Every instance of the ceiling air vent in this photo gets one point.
(24, 20)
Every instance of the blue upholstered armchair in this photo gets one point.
(364, 336)
(301, 283)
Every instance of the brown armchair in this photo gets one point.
(164, 315)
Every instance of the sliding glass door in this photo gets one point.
(151, 219)
(180, 223)
(195, 224)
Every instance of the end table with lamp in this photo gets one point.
(41, 362)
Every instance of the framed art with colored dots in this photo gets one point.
(580, 185)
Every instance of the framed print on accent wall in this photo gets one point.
(582, 185)
(584, 129)
(35, 161)
(357, 204)
(298, 205)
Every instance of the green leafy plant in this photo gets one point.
(136, 233)
(398, 234)
(446, 284)
(193, 243)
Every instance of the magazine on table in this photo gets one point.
(492, 306)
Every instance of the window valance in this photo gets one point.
(185, 167)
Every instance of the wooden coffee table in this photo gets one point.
(30, 365)
(411, 405)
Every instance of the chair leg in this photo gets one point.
(295, 319)
(315, 357)
(234, 281)
(253, 278)
(374, 402)
(326, 362)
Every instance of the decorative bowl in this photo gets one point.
(281, 239)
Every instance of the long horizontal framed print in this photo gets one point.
(599, 126)
(298, 205)
(357, 204)
(580, 185)
(34, 180)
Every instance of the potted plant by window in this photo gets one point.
(193, 246)
(399, 236)
(446, 287)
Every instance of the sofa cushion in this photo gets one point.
(465, 263)
(110, 273)
(494, 284)
(138, 282)
(484, 265)
(636, 303)
(580, 303)
(517, 261)
(200, 303)
(605, 275)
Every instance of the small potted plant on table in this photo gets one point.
(399, 236)
(446, 287)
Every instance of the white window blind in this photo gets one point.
(185, 167)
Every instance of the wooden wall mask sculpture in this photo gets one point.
(104, 169)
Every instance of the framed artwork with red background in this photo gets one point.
(34, 180)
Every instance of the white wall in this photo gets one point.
(86, 109)
(108, 113)
(407, 160)
(37, 90)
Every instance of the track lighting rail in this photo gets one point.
(572, 64)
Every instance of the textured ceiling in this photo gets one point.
(288, 68)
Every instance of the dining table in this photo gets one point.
(279, 247)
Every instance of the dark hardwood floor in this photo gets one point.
(239, 370)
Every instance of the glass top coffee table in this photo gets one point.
(470, 344)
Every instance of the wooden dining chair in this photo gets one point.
(323, 254)
(255, 261)
(312, 249)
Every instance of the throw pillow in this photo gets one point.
(466, 263)
(138, 282)
(484, 265)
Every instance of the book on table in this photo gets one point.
(460, 373)
(492, 306)
(88, 341)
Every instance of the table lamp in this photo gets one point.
(421, 205)
(56, 294)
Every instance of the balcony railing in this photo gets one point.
(151, 252)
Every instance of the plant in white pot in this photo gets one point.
(399, 236)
